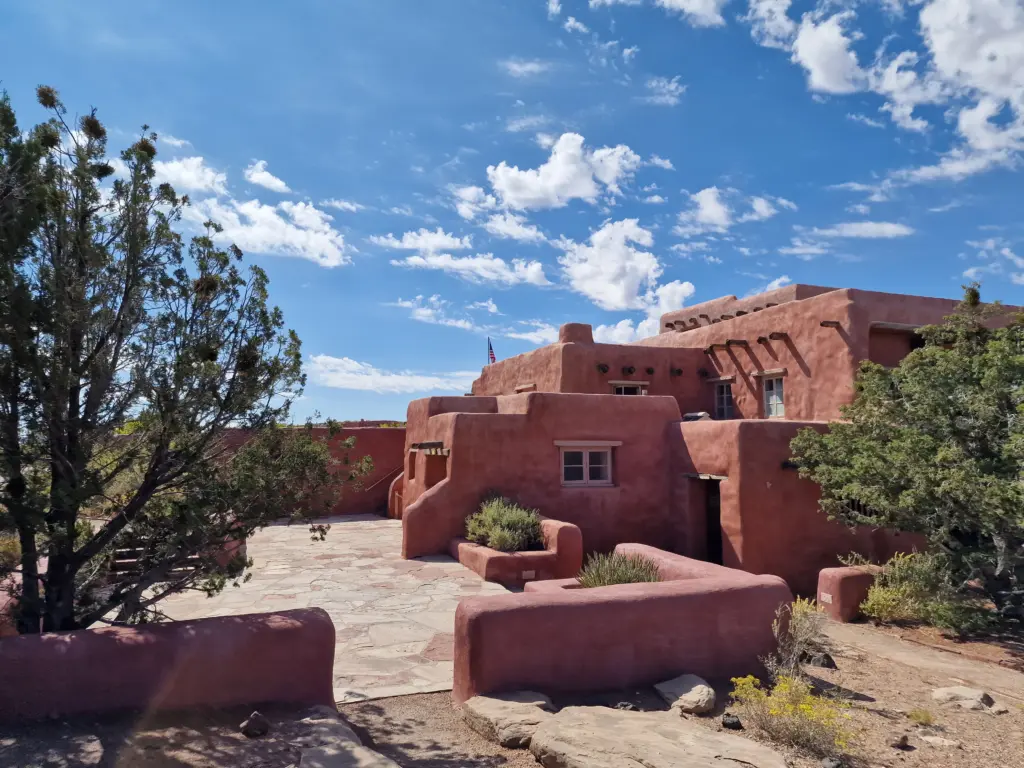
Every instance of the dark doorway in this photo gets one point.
(713, 514)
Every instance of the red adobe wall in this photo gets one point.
(707, 312)
(386, 445)
(561, 558)
(771, 522)
(578, 640)
(285, 657)
(507, 445)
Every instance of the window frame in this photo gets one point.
(778, 388)
(641, 388)
(587, 450)
(722, 413)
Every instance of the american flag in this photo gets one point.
(490, 352)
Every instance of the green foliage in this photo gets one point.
(604, 570)
(935, 446)
(791, 715)
(393, 425)
(503, 525)
(921, 717)
(134, 358)
(10, 553)
(914, 588)
(799, 630)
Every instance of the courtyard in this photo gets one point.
(393, 617)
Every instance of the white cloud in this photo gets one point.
(572, 24)
(628, 54)
(661, 162)
(344, 205)
(699, 13)
(346, 373)
(526, 123)
(512, 226)
(489, 305)
(865, 229)
(434, 310)
(690, 247)
(865, 120)
(775, 284)
(770, 24)
(173, 141)
(761, 209)
(709, 212)
(554, 8)
(805, 249)
(470, 201)
(859, 208)
(425, 241)
(946, 206)
(258, 174)
(525, 67)
(482, 268)
(539, 332)
(545, 140)
(663, 91)
(669, 298)
(401, 210)
(822, 48)
(654, 200)
(571, 172)
(190, 174)
(712, 259)
(287, 229)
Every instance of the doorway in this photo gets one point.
(713, 521)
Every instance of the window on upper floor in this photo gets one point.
(627, 389)
(723, 401)
(586, 466)
(774, 398)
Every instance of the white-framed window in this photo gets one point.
(629, 387)
(723, 400)
(586, 466)
(774, 399)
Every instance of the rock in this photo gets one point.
(823, 660)
(627, 706)
(938, 741)
(508, 719)
(965, 698)
(255, 726)
(600, 737)
(345, 755)
(731, 722)
(999, 709)
(832, 762)
(898, 741)
(687, 693)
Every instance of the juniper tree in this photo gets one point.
(936, 446)
(143, 380)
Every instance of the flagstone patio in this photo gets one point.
(393, 617)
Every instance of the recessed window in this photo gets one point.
(627, 389)
(723, 401)
(586, 466)
(774, 399)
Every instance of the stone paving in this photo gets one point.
(393, 617)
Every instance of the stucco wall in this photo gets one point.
(771, 522)
(513, 452)
(386, 445)
(704, 313)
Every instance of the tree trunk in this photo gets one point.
(60, 596)
(29, 614)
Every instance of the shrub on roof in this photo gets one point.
(503, 525)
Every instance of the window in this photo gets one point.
(586, 466)
(627, 389)
(723, 401)
(774, 401)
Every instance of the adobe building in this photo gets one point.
(680, 441)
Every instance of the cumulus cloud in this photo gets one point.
(190, 174)
(554, 8)
(698, 13)
(489, 305)
(173, 141)
(714, 210)
(511, 226)
(822, 48)
(482, 268)
(668, 298)
(424, 240)
(285, 229)
(572, 172)
(663, 91)
(346, 373)
(258, 174)
(434, 310)
(572, 24)
(661, 162)
(534, 331)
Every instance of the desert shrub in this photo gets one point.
(10, 553)
(799, 630)
(915, 589)
(605, 570)
(791, 715)
(921, 717)
(503, 525)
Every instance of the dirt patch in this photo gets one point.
(1004, 647)
(196, 739)
(424, 731)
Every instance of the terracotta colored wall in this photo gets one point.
(567, 640)
(285, 657)
(888, 348)
(771, 522)
(707, 311)
(541, 367)
(386, 445)
(512, 450)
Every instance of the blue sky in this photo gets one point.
(416, 176)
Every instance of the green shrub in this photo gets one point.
(605, 570)
(799, 630)
(10, 553)
(921, 717)
(915, 589)
(503, 525)
(791, 715)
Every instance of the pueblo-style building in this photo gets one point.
(680, 441)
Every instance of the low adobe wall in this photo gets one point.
(842, 590)
(578, 640)
(561, 558)
(285, 657)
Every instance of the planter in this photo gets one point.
(561, 558)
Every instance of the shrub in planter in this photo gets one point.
(503, 525)
(614, 568)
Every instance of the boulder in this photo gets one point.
(344, 755)
(508, 719)
(939, 741)
(688, 693)
(255, 726)
(600, 737)
(965, 698)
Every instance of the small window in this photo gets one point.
(774, 400)
(587, 466)
(627, 389)
(723, 401)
